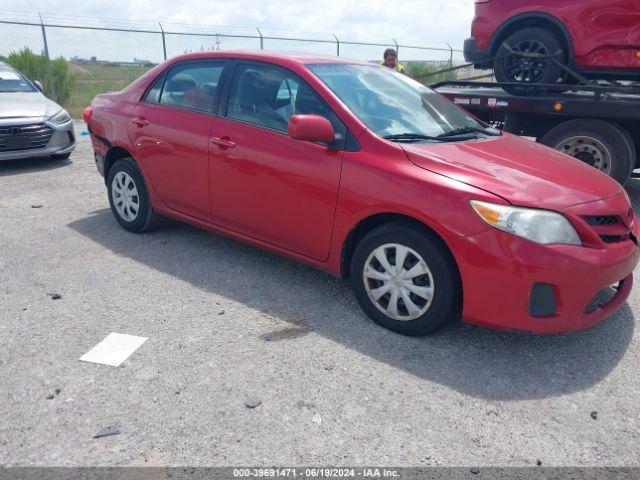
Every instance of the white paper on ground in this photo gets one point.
(114, 349)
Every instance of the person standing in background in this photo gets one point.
(391, 60)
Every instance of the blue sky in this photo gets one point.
(421, 23)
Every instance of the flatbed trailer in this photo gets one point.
(597, 124)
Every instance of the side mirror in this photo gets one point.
(38, 85)
(311, 128)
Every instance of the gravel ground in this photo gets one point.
(227, 323)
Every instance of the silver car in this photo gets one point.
(31, 125)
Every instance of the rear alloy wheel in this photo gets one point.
(529, 56)
(405, 279)
(602, 145)
(129, 197)
(125, 196)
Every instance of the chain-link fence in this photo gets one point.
(105, 54)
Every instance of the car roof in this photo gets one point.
(272, 56)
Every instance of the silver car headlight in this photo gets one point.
(540, 226)
(61, 117)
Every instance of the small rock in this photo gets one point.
(594, 415)
(56, 296)
(252, 402)
(24, 309)
(328, 367)
(105, 432)
(36, 205)
(475, 470)
(53, 394)
(317, 419)
(538, 463)
(221, 312)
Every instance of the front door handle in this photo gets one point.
(140, 122)
(224, 142)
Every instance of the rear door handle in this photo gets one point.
(224, 142)
(140, 122)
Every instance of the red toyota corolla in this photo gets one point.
(367, 174)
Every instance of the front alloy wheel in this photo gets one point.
(405, 278)
(398, 282)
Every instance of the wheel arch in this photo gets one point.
(376, 220)
(114, 154)
(533, 19)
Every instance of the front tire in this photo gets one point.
(406, 280)
(129, 197)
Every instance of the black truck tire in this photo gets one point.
(604, 145)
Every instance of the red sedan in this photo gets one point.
(367, 174)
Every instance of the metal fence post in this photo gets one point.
(164, 42)
(450, 56)
(397, 47)
(261, 39)
(337, 43)
(47, 62)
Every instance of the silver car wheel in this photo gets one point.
(398, 281)
(124, 194)
(588, 150)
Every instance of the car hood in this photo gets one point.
(521, 171)
(26, 106)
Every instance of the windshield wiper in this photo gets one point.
(467, 129)
(412, 137)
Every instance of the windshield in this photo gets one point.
(12, 81)
(391, 103)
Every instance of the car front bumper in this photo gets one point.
(61, 141)
(500, 273)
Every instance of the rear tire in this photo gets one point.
(512, 68)
(129, 197)
(428, 270)
(604, 145)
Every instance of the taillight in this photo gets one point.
(87, 114)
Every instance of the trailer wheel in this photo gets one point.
(603, 145)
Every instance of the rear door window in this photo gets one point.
(153, 94)
(193, 86)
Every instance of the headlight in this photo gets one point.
(61, 117)
(540, 226)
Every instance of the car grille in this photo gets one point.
(24, 137)
(602, 220)
(610, 228)
(614, 238)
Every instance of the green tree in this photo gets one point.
(429, 74)
(34, 67)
